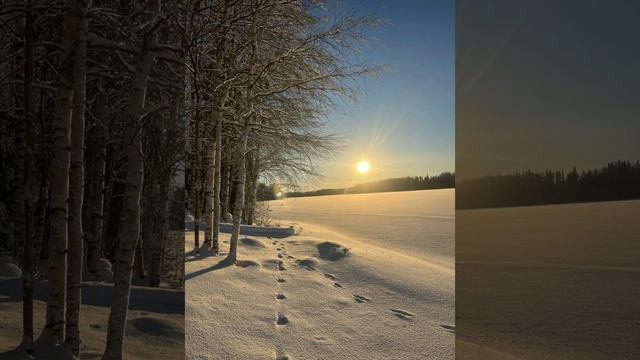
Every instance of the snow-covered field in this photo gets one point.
(417, 223)
(367, 277)
(549, 282)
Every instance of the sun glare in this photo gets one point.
(362, 167)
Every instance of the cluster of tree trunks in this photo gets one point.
(101, 98)
(262, 74)
(92, 115)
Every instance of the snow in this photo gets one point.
(332, 291)
(249, 230)
(10, 270)
(549, 282)
(419, 223)
(155, 322)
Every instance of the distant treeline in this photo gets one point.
(442, 181)
(617, 181)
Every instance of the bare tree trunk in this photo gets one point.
(208, 192)
(239, 198)
(216, 122)
(128, 236)
(17, 174)
(250, 201)
(27, 274)
(233, 188)
(55, 321)
(45, 247)
(76, 187)
(224, 189)
(196, 187)
(215, 245)
(41, 216)
(139, 258)
(251, 187)
(149, 209)
(129, 232)
(94, 188)
(115, 195)
(244, 138)
(159, 233)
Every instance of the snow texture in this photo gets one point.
(155, 323)
(549, 282)
(331, 292)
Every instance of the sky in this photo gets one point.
(403, 124)
(546, 85)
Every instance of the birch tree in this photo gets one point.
(76, 185)
(56, 302)
(114, 85)
(269, 70)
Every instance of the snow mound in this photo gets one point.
(9, 270)
(308, 263)
(331, 251)
(103, 273)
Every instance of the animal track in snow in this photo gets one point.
(329, 276)
(403, 314)
(320, 339)
(280, 280)
(449, 328)
(361, 299)
(309, 264)
(282, 319)
(281, 266)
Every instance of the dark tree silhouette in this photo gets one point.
(616, 181)
(407, 183)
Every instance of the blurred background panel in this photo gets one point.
(547, 150)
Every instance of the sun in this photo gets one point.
(362, 167)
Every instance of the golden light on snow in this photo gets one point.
(362, 167)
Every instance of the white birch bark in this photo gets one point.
(239, 200)
(129, 232)
(215, 245)
(55, 318)
(76, 187)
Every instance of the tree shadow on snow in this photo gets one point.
(221, 265)
(14, 354)
(203, 253)
(161, 300)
